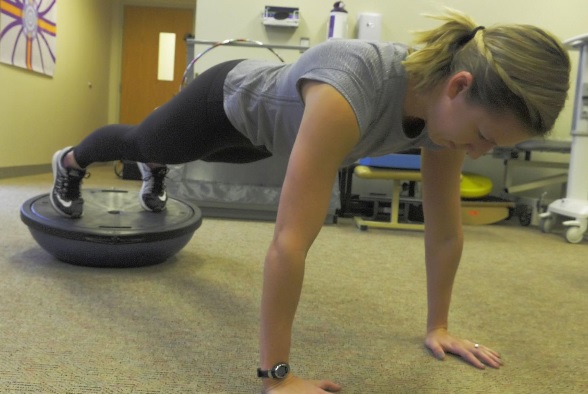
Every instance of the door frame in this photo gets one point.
(116, 40)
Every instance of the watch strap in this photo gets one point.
(278, 371)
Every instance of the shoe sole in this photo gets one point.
(145, 207)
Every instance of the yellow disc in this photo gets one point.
(475, 185)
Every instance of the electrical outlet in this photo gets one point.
(304, 42)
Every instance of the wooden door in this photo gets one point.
(141, 92)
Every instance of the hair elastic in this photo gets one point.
(468, 37)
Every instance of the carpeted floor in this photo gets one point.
(190, 325)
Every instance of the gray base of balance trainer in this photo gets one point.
(114, 231)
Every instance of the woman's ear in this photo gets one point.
(458, 82)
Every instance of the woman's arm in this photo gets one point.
(327, 134)
(441, 171)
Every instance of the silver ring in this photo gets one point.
(477, 345)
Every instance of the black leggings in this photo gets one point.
(191, 126)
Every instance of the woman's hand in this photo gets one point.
(293, 385)
(439, 341)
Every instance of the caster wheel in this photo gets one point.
(525, 215)
(546, 224)
(574, 235)
(511, 212)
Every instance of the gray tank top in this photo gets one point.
(263, 99)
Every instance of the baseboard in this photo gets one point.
(12, 172)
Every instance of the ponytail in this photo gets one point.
(517, 68)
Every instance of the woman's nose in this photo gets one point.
(479, 149)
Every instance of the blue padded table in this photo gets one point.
(476, 207)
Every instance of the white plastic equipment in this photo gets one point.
(575, 204)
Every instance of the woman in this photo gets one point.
(464, 91)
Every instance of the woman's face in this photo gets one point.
(456, 124)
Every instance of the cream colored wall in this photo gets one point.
(39, 114)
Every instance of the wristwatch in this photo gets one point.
(278, 371)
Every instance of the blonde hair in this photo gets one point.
(518, 68)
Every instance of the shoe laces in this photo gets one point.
(69, 183)
(156, 180)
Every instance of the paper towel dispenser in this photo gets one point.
(281, 16)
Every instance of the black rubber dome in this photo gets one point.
(114, 231)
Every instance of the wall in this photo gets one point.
(39, 114)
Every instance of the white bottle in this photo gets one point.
(338, 21)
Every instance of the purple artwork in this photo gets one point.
(28, 33)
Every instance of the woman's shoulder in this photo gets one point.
(346, 47)
(381, 60)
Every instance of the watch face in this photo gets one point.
(281, 370)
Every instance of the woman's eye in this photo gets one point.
(485, 139)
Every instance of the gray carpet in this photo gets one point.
(190, 325)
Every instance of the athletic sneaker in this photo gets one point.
(65, 196)
(153, 196)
